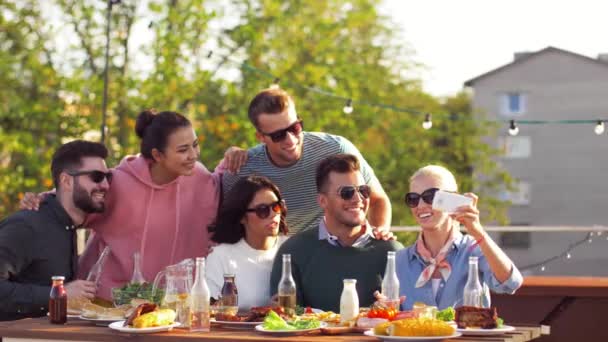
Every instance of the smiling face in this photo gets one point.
(181, 153)
(425, 216)
(289, 150)
(87, 195)
(257, 227)
(348, 213)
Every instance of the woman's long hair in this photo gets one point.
(228, 227)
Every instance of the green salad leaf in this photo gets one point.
(447, 314)
(272, 321)
(500, 322)
(302, 324)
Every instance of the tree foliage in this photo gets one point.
(170, 55)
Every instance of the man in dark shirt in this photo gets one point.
(36, 245)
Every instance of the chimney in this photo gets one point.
(603, 57)
(521, 54)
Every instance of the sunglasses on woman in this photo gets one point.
(263, 210)
(95, 176)
(347, 192)
(413, 198)
(280, 135)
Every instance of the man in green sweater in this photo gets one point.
(342, 246)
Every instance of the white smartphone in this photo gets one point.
(449, 201)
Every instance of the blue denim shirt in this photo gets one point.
(450, 292)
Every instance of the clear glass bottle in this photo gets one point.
(287, 288)
(473, 292)
(137, 277)
(58, 302)
(95, 272)
(229, 300)
(199, 300)
(349, 302)
(390, 283)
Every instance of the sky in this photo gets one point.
(459, 40)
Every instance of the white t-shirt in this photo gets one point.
(252, 268)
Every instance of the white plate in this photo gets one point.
(411, 338)
(101, 321)
(69, 315)
(261, 329)
(119, 326)
(486, 332)
(235, 324)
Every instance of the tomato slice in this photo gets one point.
(308, 310)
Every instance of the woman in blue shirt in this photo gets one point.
(434, 270)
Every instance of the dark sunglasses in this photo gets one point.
(95, 175)
(280, 135)
(263, 210)
(347, 192)
(413, 198)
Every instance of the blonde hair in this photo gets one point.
(440, 173)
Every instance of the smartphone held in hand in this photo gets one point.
(449, 201)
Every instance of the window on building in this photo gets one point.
(515, 147)
(519, 196)
(512, 104)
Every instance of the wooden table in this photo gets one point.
(38, 329)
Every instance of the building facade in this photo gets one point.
(561, 169)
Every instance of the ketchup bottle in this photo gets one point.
(58, 302)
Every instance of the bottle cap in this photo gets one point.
(57, 278)
(350, 281)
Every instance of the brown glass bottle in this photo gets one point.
(58, 302)
(229, 302)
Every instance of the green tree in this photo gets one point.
(170, 55)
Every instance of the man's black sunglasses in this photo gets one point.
(280, 135)
(347, 192)
(95, 175)
(413, 198)
(263, 210)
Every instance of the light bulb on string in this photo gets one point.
(427, 124)
(568, 256)
(513, 129)
(348, 108)
(542, 269)
(275, 84)
(599, 127)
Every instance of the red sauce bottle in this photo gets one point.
(58, 302)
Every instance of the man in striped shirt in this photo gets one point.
(289, 156)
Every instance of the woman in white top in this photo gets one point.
(250, 228)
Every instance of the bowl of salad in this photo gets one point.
(124, 295)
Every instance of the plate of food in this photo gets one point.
(147, 318)
(101, 315)
(274, 324)
(244, 319)
(120, 326)
(411, 338)
(413, 329)
(475, 321)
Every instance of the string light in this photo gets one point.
(275, 83)
(427, 124)
(567, 253)
(513, 129)
(599, 127)
(348, 108)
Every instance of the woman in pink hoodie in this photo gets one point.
(159, 204)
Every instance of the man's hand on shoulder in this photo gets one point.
(80, 289)
(31, 201)
(234, 159)
(383, 233)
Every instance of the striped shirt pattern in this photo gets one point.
(297, 182)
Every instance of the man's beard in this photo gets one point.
(83, 201)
